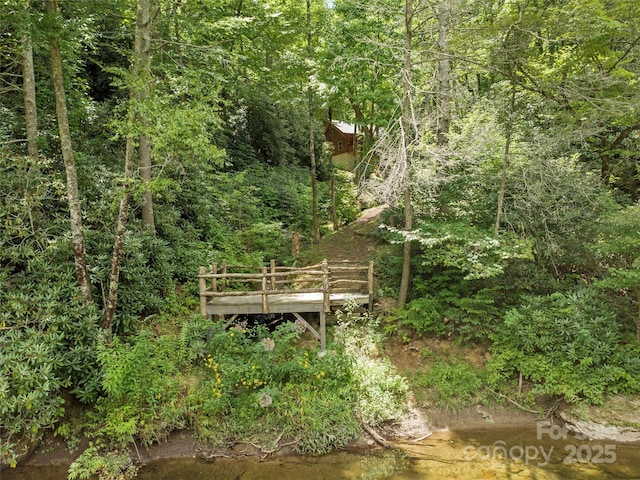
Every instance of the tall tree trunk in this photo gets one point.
(118, 245)
(136, 95)
(314, 173)
(312, 148)
(334, 211)
(638, 314)
(407, 140)
(147, 12)
(29, 86)
(405, 280)
(145, 174)
(505, 160)
(77, 234)
(444, 75)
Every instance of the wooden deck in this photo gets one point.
(240, 289)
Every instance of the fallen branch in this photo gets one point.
(422, 437)
(376, 436)
(264, 452)
(210, 455)
(553, 408)
(521, 407)
(424, 456)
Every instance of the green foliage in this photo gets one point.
(466, 315)
(258, 385)
(267, 132)
(457, 279)
(452, 384)
(566, 345)
(252, 377)
(347, 203)
(47, 335)
(31, 196)
(474, 251)
(381, 392)
(29, 386)
(425, 316)
(112, 465)
(618, 248)
(140, 380)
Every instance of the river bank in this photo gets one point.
(183, 444)
(504, 445)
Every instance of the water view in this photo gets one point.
(494, 454)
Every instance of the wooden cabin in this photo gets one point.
(344, 137)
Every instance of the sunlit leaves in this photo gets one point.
(472, 250)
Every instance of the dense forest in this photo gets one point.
(141, 139)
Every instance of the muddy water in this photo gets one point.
(515, 454)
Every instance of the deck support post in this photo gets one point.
(370, 285)
(202, 282)
(326, 298)
(323, 332)
(265, 303)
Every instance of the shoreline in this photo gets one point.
(53, 451)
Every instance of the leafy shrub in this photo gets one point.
(29, 387)
(452, 384)
(47, 336)
(381, 392)
(567, 345)
(425, 315)
(113, 465)
(456, 312)
(253, 379)
(476, 252)
(265, 240)
(141, 385)
(258, 384)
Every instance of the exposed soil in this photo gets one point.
(354, 242)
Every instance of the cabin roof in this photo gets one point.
(346, 128)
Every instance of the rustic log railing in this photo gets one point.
(247, 289)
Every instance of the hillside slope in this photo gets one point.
(354, 242)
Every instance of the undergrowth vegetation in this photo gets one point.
(241, 384)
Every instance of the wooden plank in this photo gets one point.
(273, 274)
(265, 302)
(313, 331)
(323, 332)
(254, 276)
(202, 282)
(325, 286)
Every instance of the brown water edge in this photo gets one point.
(468, 454)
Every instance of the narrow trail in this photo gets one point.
(354, 242)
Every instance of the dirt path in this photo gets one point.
(354, 242)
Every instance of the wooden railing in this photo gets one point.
(247, 280)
